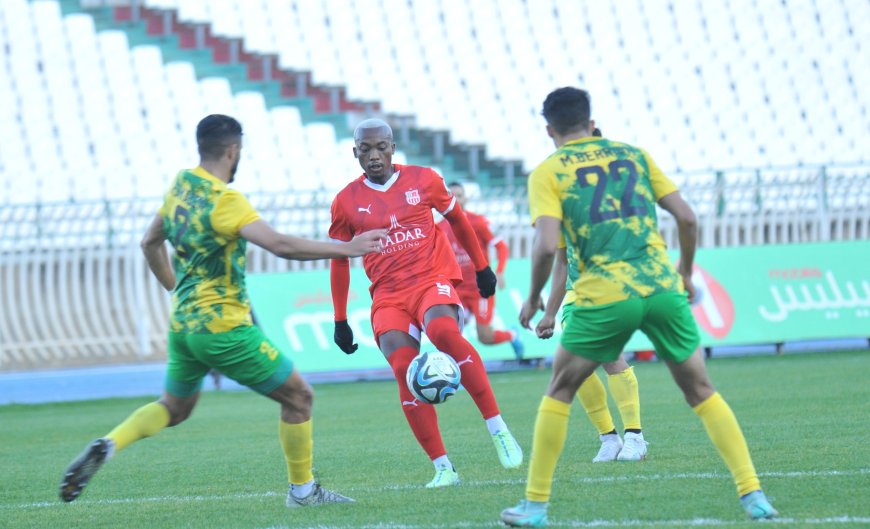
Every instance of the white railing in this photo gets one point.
(75, 289)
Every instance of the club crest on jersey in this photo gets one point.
(413, 197)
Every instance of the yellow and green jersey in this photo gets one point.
(202, 218)
(604, 192)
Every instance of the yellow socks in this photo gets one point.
(142, 423)
(296, 440)
(623, 388)
(551, 428)
(593, 398)
(724, 431)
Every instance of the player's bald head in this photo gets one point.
(371, 128)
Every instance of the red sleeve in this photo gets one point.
(339, 269)
(340, 229)
(440, 198)
(481, 227)
(464, 233)
(339, 280)
(501, 252)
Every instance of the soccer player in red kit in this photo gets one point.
(482, 308)
(413, 284)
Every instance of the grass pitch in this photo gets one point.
(806, 418)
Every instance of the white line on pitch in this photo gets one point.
(694, 522)
(488, 483)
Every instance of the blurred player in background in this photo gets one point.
(413, 284)
(482, 308)
(592, 395)
(208, 224)
(601, 196)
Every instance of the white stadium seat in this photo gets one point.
(701, 84)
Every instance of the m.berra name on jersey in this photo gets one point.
(414, 249)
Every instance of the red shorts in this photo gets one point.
(403, 310)
(482, 308)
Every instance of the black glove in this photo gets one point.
(486, 282)
(343, 337)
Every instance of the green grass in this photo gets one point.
(805, 418)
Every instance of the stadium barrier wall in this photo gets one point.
(75, 290)
(748, 295)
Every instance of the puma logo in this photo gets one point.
(367, 209)
(468, 360)
(410, 402)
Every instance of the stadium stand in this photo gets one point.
(756, 109)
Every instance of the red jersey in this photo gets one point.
(415, 249)
(480, 224)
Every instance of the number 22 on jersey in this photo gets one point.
(603, 206)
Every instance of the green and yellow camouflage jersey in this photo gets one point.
(202, 218)
(604, 192)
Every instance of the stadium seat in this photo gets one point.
(715, 83)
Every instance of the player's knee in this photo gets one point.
(485, 336)
(296, 405)
(301, 398)
(441, 331)
(177, 413)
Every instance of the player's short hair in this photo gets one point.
(369, 124)
(215, 133)
(567, 109)
(456, 183)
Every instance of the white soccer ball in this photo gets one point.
(433, 377)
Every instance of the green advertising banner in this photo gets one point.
(748, 295)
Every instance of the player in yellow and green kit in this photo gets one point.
(621, 381)
(210, 327)
(592, 396)
(601, 196)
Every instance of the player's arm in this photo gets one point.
(287, 246)
(467, 238)
(558, 283)
(547, 324)
(154, 247)
(502, 252)
(668, 197)
(687, 230)
(341, 229)
(543, 253)
(339, 281)
(487, 239)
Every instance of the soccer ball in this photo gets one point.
(433, 377)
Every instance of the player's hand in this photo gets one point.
(343, 337)
(486, 282)
(501, 282)
(367, 242)
(691, 293)
(546, 326)
(528, 310)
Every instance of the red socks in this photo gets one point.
(421, 417)
(444, 334)
(501, 337)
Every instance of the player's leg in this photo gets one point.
(442, 327)
(551, 429)
(295, 434)
(484, 311)
(400, 348)
(590, 336)
(593, 398)
(184, 375)
(248, 357)
(624, 389)
(672, 329)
